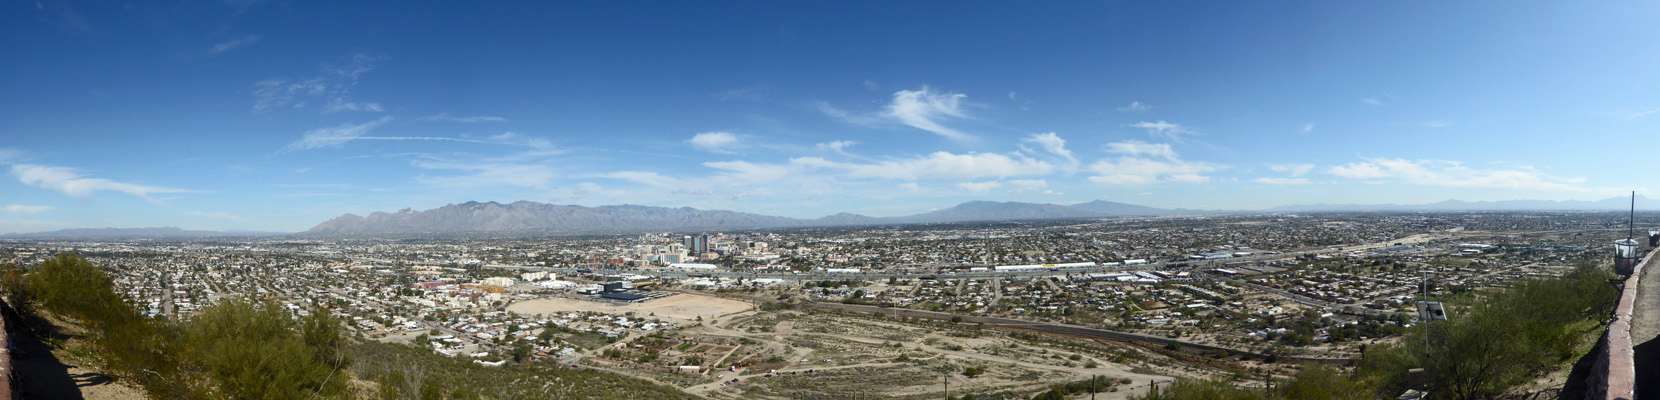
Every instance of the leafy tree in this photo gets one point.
(255, 350)
(521, 351)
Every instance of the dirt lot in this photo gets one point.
(863, 356)
(678, 308)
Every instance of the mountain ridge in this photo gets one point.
(526, 216)
(532, 217)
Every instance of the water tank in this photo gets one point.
(1625, 256)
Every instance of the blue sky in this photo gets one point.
(277, 115)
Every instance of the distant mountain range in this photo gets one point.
(133, 233)
(531, 217)
(525, 216)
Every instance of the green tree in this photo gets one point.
(521, 351)
(254, 350)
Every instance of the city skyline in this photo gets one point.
(275, 117)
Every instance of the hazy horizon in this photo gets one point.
(270, 116)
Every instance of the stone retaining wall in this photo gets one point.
(1615, 375)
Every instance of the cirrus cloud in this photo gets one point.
(22, 209)
(72, 183)
(1456, 174)
(924, 109)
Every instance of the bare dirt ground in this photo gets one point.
(678, 308)
(857, 355)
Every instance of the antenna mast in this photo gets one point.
(1631, 221)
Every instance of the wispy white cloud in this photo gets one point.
(1053, 144)
(278, 93)
(339, 136)
(1030, 183)
(1170, 131)
(542, 147)
(839, 146)
(980, 187)
(1639, 114)
(938, 165)
(1372, 101)
(1308, 127)
(232, 44)
(1140, 148)
(1135, 106)
(644, 178)
(1283, 181)
(925, 109)
(339, 105)
(1146, 163)
(1437, 124)
(71, 182)
(748, 173)
(22, 209)
(715, 142)
(478, 118)
(847, 116)
(1455, 174)
(333, 88)
(1296, 170)
(10, 155)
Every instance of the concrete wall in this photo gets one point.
(7, 371)
(1615, 374)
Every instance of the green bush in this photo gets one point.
(256, 350)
